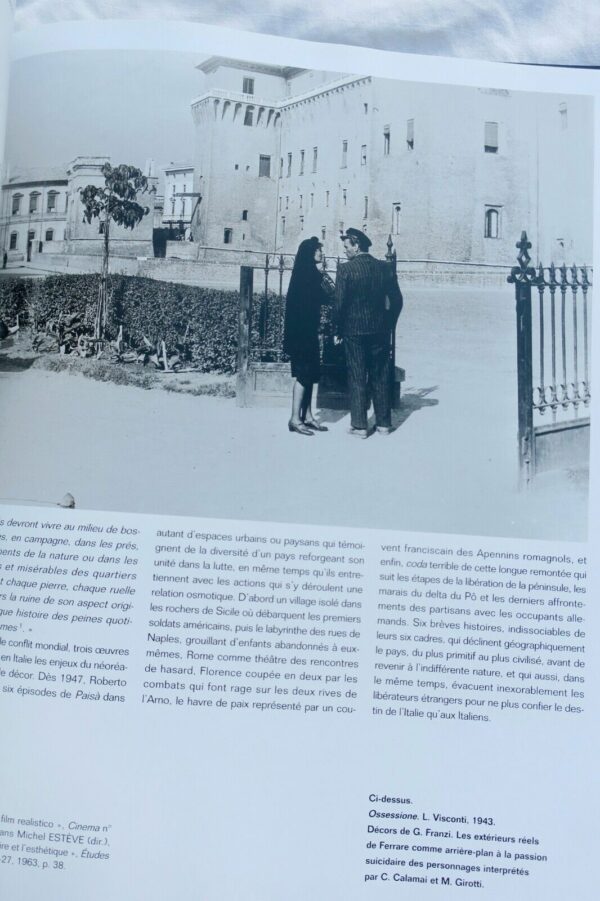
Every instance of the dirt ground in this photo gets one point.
(450, 465)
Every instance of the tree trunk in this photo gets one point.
(102, 305)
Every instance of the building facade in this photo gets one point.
(179, 202)
(33, 211)
(41, 213)
(454, 174)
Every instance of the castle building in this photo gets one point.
(453, 173)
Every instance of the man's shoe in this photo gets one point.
(384, 430)
(358, 433)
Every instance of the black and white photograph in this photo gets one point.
(248, 289)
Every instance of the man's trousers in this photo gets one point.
(368, 365)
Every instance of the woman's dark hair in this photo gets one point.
(304, 281)
(305, 255)
(305, 268)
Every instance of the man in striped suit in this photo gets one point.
(367, 304)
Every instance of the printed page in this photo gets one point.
(295, 556)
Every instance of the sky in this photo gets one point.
(142, 111)
(543, 31)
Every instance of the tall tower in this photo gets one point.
(236, 157)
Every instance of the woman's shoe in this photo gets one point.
(316, 426)
(300, 428)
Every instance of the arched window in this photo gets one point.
(492, 222)
(34, 198)
(16, 204)
(52, 201)
(13, 241)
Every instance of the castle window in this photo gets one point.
(50, 234)
(283, 225)
(264, 166)
(51, 202)
(301, 223)
(312, 201)
(490, 139)
(344, 196)
(13, 241)
(366, 209)
(344, 154)
(363, 155)
(248, 86)
(396, 210)
(16, 204)
(301, 162)
(410, 134)
(249, 115)
(323, 234)
(33, 201)
(289, 166)
(227, 235)
(492, 222)
(287, 202)
(315, 158)
(386, 140)
(300, 201)
(244, 215)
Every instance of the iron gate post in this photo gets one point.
(244, 328)
(522, 276)
(525, 384)
(391, 258)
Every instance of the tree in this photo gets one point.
(116, 201)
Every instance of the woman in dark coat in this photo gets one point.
(309, 289)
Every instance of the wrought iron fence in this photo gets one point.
(261, 360)
(553, 358)
(266, 332)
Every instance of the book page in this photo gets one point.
(295, 553)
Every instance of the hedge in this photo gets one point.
(159, 311)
